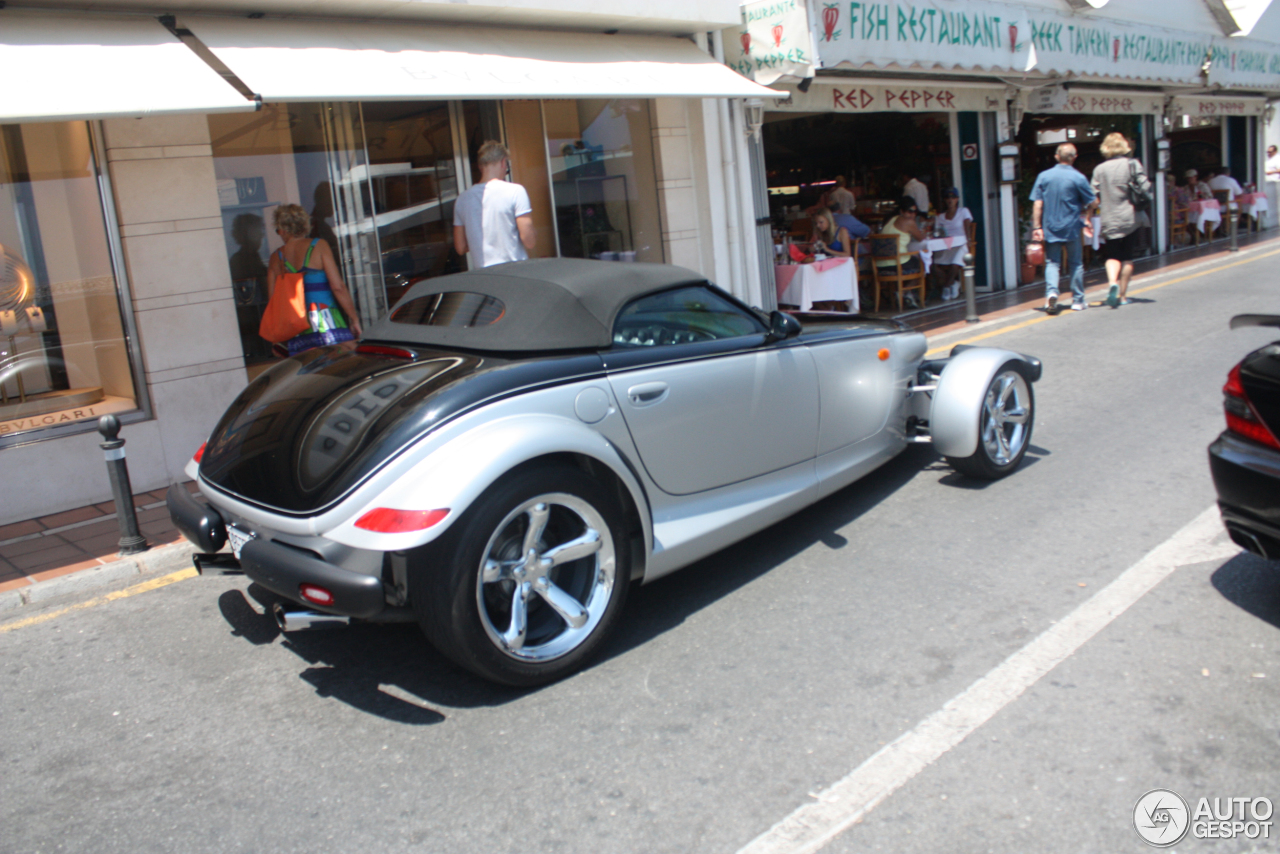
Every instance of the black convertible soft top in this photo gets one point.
(549, 304)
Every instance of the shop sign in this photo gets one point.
(1101, 102)
(1211, 105)
(853, 97)
(1003, 37)
(1047, 98)
(774, 40)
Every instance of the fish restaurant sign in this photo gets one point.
(1004, 37)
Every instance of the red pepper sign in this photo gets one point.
(830, 17)
(777, 36)
(1013, 38)
(746, 42)
(1115, 50)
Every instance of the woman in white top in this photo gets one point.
(948, 265)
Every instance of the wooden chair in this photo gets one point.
(801, 228)
(886, 249)
(1179, 221)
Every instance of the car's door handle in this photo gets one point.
(646, 394)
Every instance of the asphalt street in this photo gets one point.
(742, 689)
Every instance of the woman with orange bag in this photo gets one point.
(330, 310)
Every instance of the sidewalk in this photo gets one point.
(76, 550)
(36, 552)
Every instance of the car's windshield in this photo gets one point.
(682, 316)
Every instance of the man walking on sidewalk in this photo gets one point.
(1062, 201)
(493, 221)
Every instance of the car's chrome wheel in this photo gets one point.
(546, 577)
(526, 585)
(1004, 426)
(1006, 413)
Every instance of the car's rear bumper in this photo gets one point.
(1247, 477)
(280, 568)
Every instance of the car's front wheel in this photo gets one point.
(525, 587)
(1004, 426)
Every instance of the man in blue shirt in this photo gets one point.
(1062, 200)
(855, 226)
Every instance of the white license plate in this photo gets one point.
(238, 538)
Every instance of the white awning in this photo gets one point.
(300, 60)
(57, 67)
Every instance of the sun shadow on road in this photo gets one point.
(393, 672)
(1253, 584)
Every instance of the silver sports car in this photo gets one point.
(511, 448)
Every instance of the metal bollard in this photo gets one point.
(131, 540)
(1233, 218)
(970, 306)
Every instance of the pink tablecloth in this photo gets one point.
(926, 248)
(1253, 204)
(804, 284)
(1203, 212)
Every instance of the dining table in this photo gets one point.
(822, 280)
(927, 247)
(1204, 212)
(1253, 205)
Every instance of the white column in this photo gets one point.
(1009, 224)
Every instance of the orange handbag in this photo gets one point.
(286, 313)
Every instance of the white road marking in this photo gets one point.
(811, 827)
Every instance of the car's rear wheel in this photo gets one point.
(1004, 426)
(525, 587)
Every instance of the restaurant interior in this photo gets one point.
(805, 152)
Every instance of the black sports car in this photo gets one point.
(1245, 459)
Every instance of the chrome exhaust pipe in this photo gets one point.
(219, 562)
(1247, 540)
(296, 621)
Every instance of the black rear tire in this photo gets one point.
(500, 593)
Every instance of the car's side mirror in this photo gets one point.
(782, 326)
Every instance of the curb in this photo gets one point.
(157, 561)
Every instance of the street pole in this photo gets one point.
(1232, 218)
(131, 540)
(970, 305)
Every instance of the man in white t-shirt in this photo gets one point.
(1273, 164)
(493, 221)
(840, 198)
(1223, 181)
(916, 189)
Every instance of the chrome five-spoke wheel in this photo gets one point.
(530, 580)
(1004, 426)
(546, 577)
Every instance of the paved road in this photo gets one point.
(741, 689)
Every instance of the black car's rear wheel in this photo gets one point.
(528, 583)
(1004, 426)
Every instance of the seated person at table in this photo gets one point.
(850, 223)
(905, 228)
(1223, 181)
(948, 264)
(1199, 191)
(829, 238)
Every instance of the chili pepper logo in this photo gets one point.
(1115, 50)
(746, 42)
(830, 17)
(1013, 38)
(777, 36)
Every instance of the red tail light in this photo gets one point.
(387, 352)
(1242, 418)
(385, 520)
(199, 452)
(315, 594)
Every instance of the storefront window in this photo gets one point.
(602, 179)
(64, 355)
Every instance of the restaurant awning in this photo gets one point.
(300, 60)
(58, 67)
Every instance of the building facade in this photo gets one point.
(977, 94)
(141, 157)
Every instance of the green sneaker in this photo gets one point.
(1113, 296)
